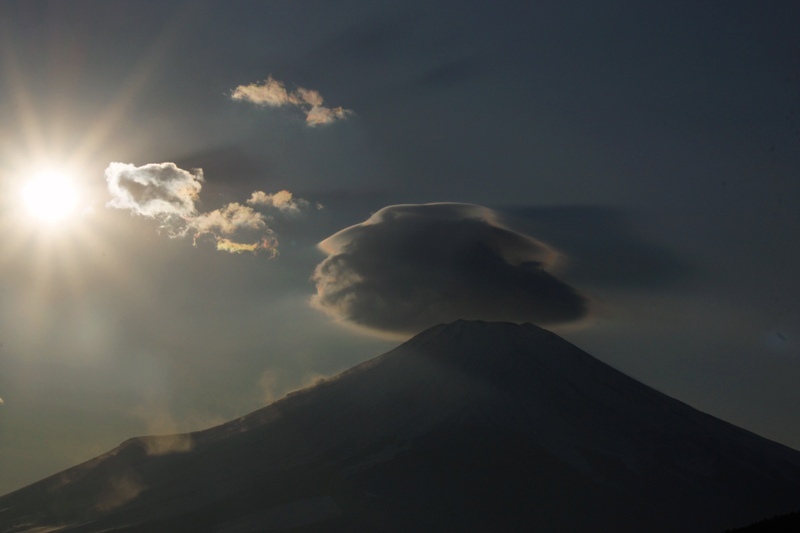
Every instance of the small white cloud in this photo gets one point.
(220, 224)
(270, 92)
(227, 220)
(156, 190)
(282, 201)
(169, 194)
(319, 115)
(309, 96)
(273, 93)
(267, 243)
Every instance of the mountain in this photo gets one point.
(469, 426)
(789, 523)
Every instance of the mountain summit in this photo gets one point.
(469, 426)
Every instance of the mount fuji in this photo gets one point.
(469, 426)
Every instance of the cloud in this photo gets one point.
(164, 192)
(165, 436)
(268, 383)
(273, 93)
(167, 444)
(409, 267)
(270, 92)
(282, 201)
(156, 190)
(319, 115)
(233, 218)
(119, 490)
(227, 220)
(267, 244)
(309, 96)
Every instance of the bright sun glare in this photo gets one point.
(50, 197)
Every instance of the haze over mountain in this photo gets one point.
(469, 426)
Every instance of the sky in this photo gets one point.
(205, 205)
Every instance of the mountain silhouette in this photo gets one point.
(789, 523)
(469, 426)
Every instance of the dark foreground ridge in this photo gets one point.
(469, 426)
(789, 523)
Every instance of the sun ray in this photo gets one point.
(48, 241)
(147, 68)
(26, 116)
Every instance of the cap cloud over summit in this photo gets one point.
(409, 267)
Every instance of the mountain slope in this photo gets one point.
(469, 426)
(789, 523)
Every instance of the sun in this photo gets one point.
(50, 197)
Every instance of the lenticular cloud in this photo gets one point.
(409, 267)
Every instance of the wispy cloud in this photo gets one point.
(119, 490)
(226, 220)
(323, 115)
(282, 201)
(221, 224)
(269, 244)
(165, 435)
(273, 93)
(166, 193)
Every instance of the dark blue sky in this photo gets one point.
(646, 155)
